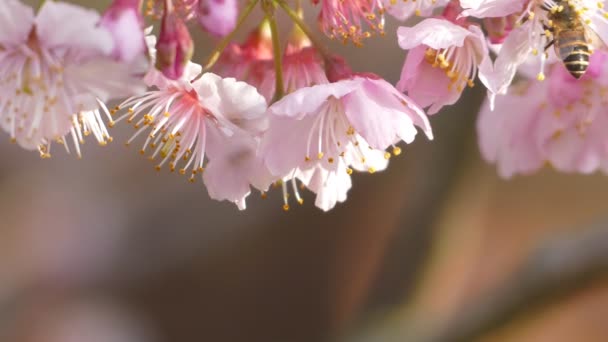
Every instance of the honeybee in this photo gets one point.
(572, 38)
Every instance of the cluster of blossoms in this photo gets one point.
(295, 115)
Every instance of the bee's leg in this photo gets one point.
(549, 33)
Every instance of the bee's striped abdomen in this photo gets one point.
(574, 52)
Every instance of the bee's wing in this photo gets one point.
(594, 40)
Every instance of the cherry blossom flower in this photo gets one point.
(57, 69)
(560, 122)
(444, 59)
(302, 67)
(319, 134)
(241, 60)
(404, 9)
(352, 20)
(211, 123)
(252, 62)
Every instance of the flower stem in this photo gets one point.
(221, 45)
(302, 25)
(277, 54)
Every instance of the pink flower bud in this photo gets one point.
(174, 47)
(124, 21)
(217, 16)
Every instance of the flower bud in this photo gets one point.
(174, 47)
(124, 21)
(218, 17)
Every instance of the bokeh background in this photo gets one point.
(106, 249)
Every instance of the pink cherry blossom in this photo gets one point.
(57, 69)
(444, 59)
(404, 9)
(319, 134)
(301, 68)
(212, 123)
(352, 20)
(252, 62)
(218, 17)
(241, 60)
(124, 21)
(560, 122)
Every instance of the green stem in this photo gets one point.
(221, 45)
(276, 54)
(302, 25)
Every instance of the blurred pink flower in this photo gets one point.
(352, 20)
(211, 123)
(317, 134)
(403, 10)
(302, 67)
(251, 61)
(124, 21)
(560, 121)
(56, 70)
(444, 59)
(218, 17)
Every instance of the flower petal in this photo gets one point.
(63, 24)
(16, 21)
(435, 33)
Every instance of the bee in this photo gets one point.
(572, 38)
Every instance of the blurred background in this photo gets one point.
(106, 249)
